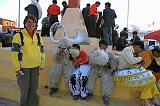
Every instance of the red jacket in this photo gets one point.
(81, 59)
(53, 10)
(93, 10)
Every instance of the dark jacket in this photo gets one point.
(85, 13)
(109, 16)
(121, 43)
(64, 10)
(124, 34)
(135, 38)
(154, 66)
(32, 9)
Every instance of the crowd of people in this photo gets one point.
(53, 11)
(131, 66)
(99, 24)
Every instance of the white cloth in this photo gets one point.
(126, 58)
(78, 88)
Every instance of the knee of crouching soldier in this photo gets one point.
(50, 74)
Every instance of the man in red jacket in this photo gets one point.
(92, 19)
(79, 78)
(53, 11)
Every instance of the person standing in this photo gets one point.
(27, 58)
(99, 31)
(65, 6)
(92, 19)
(53, 12)
(85, 13)
(115, 35)
(45, 26)
(109, 16)
(32, 9)
(121, 42)
(124, 33)
(135, 37)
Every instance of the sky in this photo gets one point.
(142, 13)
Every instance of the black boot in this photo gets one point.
(53, 90)
(76, 97)
(106, 100)
(89, 95)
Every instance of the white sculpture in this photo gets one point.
(81, 37)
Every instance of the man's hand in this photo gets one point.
(141, 62)
(62, 52)
(76, 65)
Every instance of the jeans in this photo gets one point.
(107, 34)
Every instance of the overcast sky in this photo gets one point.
(141, 12)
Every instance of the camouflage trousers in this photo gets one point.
(105, 77)
(57, 71)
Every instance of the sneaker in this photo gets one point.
(156, 102)
(53, 90)
(76, 97)
(83, 98)
(106, 100)
(89, 95)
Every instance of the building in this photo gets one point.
(5, 24)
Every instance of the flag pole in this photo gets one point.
(128, 14)
(19, 15)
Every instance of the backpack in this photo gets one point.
(22, 42)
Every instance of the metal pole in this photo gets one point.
(19, 15)
(128, 14)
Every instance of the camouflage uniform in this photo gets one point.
(63, 66)
(105, 74)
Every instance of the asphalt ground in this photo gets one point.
(6, 102)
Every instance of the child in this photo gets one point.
(103, 63)
(79, 77)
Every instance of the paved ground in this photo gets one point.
(6, 102)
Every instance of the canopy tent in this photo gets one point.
(153, 35)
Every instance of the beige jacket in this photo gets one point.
(126, 58)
